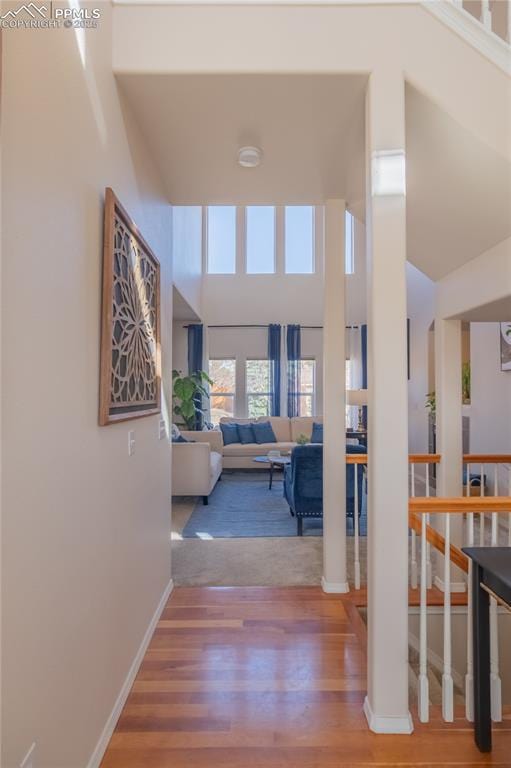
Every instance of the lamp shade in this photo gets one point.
(356, 396)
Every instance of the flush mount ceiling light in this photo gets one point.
(249, 157)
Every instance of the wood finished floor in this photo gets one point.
(269, 677)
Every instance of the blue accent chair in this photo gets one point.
(303, 483)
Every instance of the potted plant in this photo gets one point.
(187, 394)
(465, 383)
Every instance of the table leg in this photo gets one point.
(481, 635)
(271, 475)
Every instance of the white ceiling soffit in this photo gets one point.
(195, 125)
(181, 310)
(458, 190)
(496, 312)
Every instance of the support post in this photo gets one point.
(386, 705)
(334, 410)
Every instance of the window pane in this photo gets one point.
(258, 405)
(307, 375)
(258, 376)
(305, 405)
(349, 244)
(221, 405)
(222, 239)
(299, 226)
(223, 374)
(260, 239)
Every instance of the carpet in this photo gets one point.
(242, 506)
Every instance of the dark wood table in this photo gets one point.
(491, 575)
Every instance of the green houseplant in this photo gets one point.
(187, 393)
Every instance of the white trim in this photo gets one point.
(472, 31)
(403, 725)
(111, 722)
(332, 587)
(456, 586)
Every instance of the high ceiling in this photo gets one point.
(196, 124)
(311, 129)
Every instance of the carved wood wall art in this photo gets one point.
(130, 328)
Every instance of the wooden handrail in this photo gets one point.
(413, 458)
(487, 458)
(460, 504)
(437, 540)
(424, 458)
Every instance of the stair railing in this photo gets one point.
(419, 512)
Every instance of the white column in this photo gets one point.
(449, 442)
(334, 442)
(448, 406)
(386, 705)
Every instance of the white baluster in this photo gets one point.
(447, 682)
(486, 15)
(355, 520)
(423, 629)
(429, 571)
(469, 677)
(495, 682)
(413, 572)
(481, 516)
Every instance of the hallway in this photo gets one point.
(271, 677)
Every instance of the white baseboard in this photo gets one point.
(332, 587)
(110, 724)
(403, 725)
(456, 586)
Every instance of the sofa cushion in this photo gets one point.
(255, 449)
(263, 432)
(246, 434)
(302, 425)
(281, 427)
(317, 433)
(229, 432)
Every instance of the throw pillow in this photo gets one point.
(317, 433)
(176, 435)
(263, 432)
(229, 433)
(246, 433)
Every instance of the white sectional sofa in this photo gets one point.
(197, 465)
(287, 431)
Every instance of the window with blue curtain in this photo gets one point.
(274, 336)
(195, 358)
(363, 339)
(294, 353)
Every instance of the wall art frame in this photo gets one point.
(505, 346)
(130, 365)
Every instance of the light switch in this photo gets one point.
(131, 442)
(162, 432)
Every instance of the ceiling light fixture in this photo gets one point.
(249, 157)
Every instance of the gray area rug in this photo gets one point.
(242, 506)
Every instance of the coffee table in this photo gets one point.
(278, 462)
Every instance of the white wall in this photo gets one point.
(85, 528)
(421, 303)
(490, 408)
(187, 253)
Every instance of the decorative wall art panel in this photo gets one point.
(505, 346)
(130, 329)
